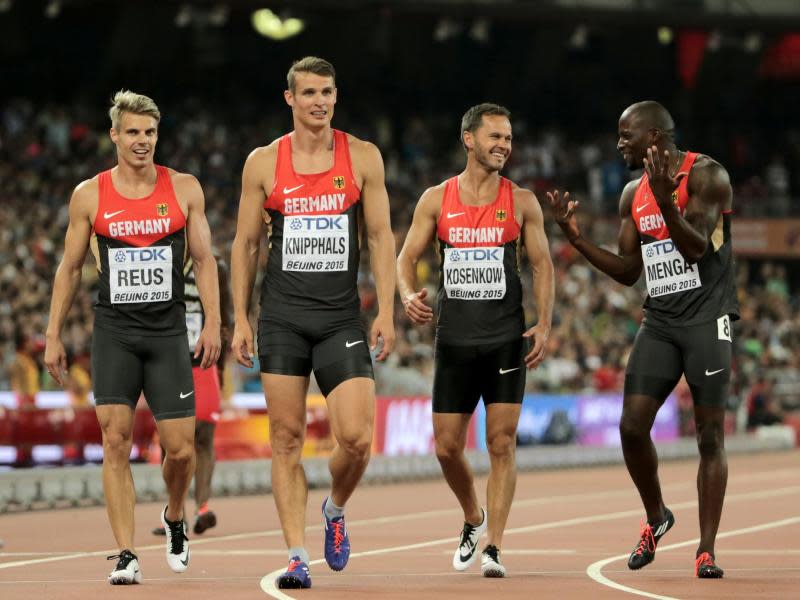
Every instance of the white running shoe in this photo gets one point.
(466, 553)
(490, 563)
(177, 543)
(127, 570)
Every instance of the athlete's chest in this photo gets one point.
(646, 213)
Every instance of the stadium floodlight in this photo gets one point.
(5, 5)
(665, 35)
(270, 25)
(752, 42)
(52, 9)
(184, 16)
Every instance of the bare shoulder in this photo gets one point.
(184, 182)
(85, 198)
(431, 199)
(264, 154)
(523, 197)
(706, 170)
(627, 196)
(363, 152)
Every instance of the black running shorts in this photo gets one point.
(125, 365)
(662, 354)
(337, 349)
(464, 374)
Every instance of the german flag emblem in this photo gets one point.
(675, 197)
(161, 209)
(500, 215)
(338, 182)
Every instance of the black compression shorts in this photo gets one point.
(464, 374)
(336, 349)
(662, 354)
(125, 365)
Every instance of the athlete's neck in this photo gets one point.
(311, 141)
(478, 185)
(134, 178)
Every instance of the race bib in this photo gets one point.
(140, 274)
(194, 325)
(316, 243)
(474, 273)
(666, 271)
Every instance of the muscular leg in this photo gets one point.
(712, 475)
(204, 449)
(638, 415)
(501, 438)
(177, 439)
(116, 423)
(351, 409)
(286, 405)
(450, 433)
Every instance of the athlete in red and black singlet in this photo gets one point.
(480, 294)
(680, 293)
(141, 247)
(314, 246)
(139, 342)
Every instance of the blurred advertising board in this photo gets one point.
(766, 237)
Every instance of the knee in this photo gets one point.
(357, 444)
(286, 439)
(117, 444)
(448, 448)
(631, 430)
(710, 439)
(502, 445)
(181, 456)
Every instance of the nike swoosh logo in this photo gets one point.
(351, 344)
(708, 373)
(504, 371)
(451, 215)
(290, 190)
(185, 563)
(187, 395)
(642, 207)
(108, 215)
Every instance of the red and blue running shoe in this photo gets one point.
(295, 577)
(337, 544)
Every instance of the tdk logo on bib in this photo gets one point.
(476, 254)
(123, 255)
(659, 248)
(323, 223)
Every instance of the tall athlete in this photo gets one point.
(317, 187)
(479, 220)
(207, 391)
(140, 219)
(676, 227)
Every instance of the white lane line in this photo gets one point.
(595, 569)
(268, 581)
(529, 552)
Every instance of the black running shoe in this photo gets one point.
(645, 552)
(706, 568)
(205, 521)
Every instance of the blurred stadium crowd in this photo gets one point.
(45, 150)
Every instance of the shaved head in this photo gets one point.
(651, 115)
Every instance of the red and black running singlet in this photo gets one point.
(679, 292)
(141, 247)
(314, 246)
(480, 294)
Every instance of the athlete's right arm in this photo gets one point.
(82, 207)
(420, 234)
(244, 252)
(624, 267)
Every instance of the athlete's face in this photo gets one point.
(634, 140)
(135, 139)
(313, 99)
(491, 142)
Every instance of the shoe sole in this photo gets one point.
(709, 575)
(291, 583)
(494, 573)
(120, 580)
(642, 566)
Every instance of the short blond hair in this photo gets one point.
(310, 64)
(128, 101)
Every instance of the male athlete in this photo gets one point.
(479, 219)
(676, 228)
(139, 218)
(317, 187)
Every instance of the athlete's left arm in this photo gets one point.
(226, 312)
(205, 268)
(368, 162)
(538, 251)
(710, 193)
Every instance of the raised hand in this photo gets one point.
(661, 182)
(564, 214)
